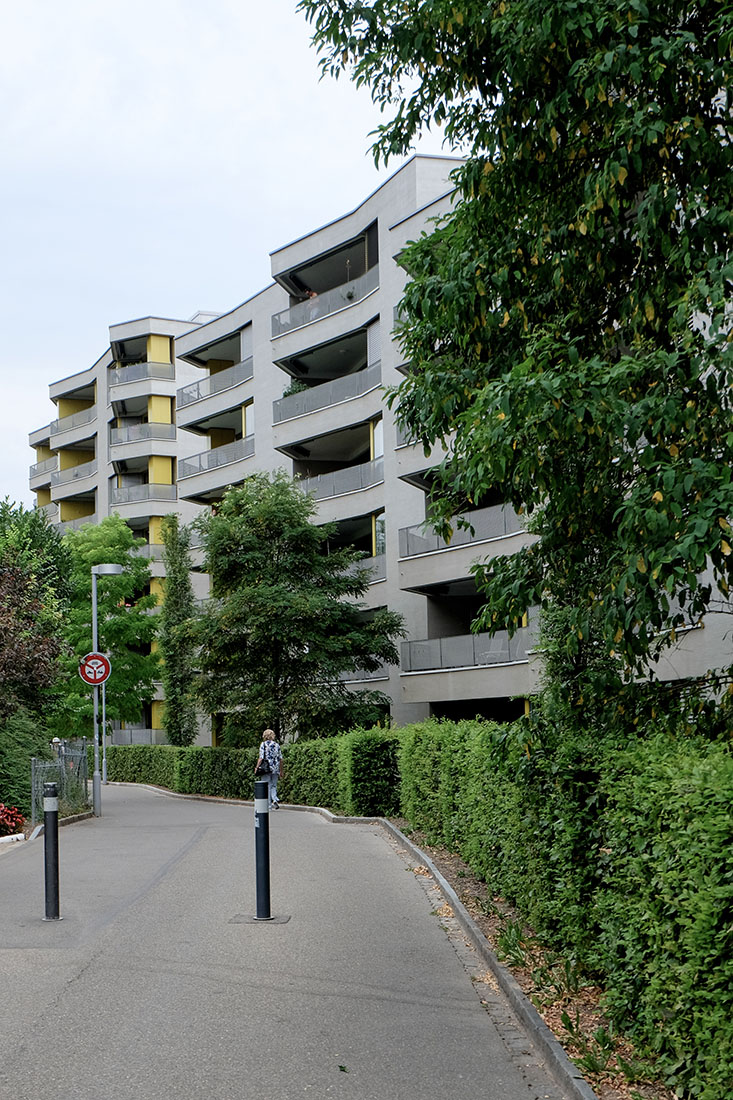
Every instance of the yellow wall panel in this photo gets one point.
(160, 409)
(75, 509)
(220, 436)
(69, 458)
(67, 406)
(156, 713)
(160, 470)
(43, 496)
(159, 349)
(155, 533)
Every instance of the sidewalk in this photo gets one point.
(155, 984)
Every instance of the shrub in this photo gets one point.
(22, 736)
(664, 909)
(368, 773)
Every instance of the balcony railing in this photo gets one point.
(222, 380)
(44, 467)
(465, 651)
(487, 523)
(324, 304)
(217, 456)
(74, 473)
(328, 393)
(76, 524)
(360, 674)
(138, 372)
(129, 494)
(349, 480)
(134, 433)
(75, 420)
(376, 565)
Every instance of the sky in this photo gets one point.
(154, 152)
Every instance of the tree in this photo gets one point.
(33, 590)
(175, 642)
(285, 621)
(126, 627)
(567, 322)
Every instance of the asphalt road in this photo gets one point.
(157, 984)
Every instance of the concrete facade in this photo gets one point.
(293, 378)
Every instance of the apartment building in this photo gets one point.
(294, 379)
(176, 411)
(114, 447)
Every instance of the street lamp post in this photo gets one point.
(106, 569)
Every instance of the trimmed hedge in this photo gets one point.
(353, 774)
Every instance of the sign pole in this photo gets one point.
(96, 778)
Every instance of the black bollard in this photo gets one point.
(262, 849)
(51, 849)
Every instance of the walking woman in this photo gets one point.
(270, 755)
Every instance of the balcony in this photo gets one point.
(75, 420)
(130, 494)
(135, 433)
(74, 473)
(140, 372)
(215, 383)
(487, 523)
(330, 301)
(218, 456)
(327, 394)
(351, 479)
(466, 651)
(47, 466)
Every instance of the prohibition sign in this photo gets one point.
(94, 669)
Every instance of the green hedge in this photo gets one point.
(619, 857)
(353, 774)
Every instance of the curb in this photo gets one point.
(562, 1069)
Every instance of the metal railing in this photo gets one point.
(138, 736)
(487, 523)
(75, 524)
(45, 466)
(217, 456)
(324, 304)
(70, 772)
(221, 380)
(348, 480)
(74, 420)
(133, 433)
(139, 372)
(328, 393)
(465, 651)
(128, 494)
(74, 473)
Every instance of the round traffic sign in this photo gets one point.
(95, 668)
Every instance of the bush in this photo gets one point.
(665, 907)
(21, 737)
(369, 779)
(11, 820)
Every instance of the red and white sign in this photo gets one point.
(94, 669)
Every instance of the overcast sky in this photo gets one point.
(154, 153)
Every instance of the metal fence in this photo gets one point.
(70, 772)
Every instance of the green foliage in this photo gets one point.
(33, 590)
(369, 780)
(566, 322)
(126, 628)
(22, 736)
(175, 640)
(665, 908)
(285, 623)
(310, 774)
